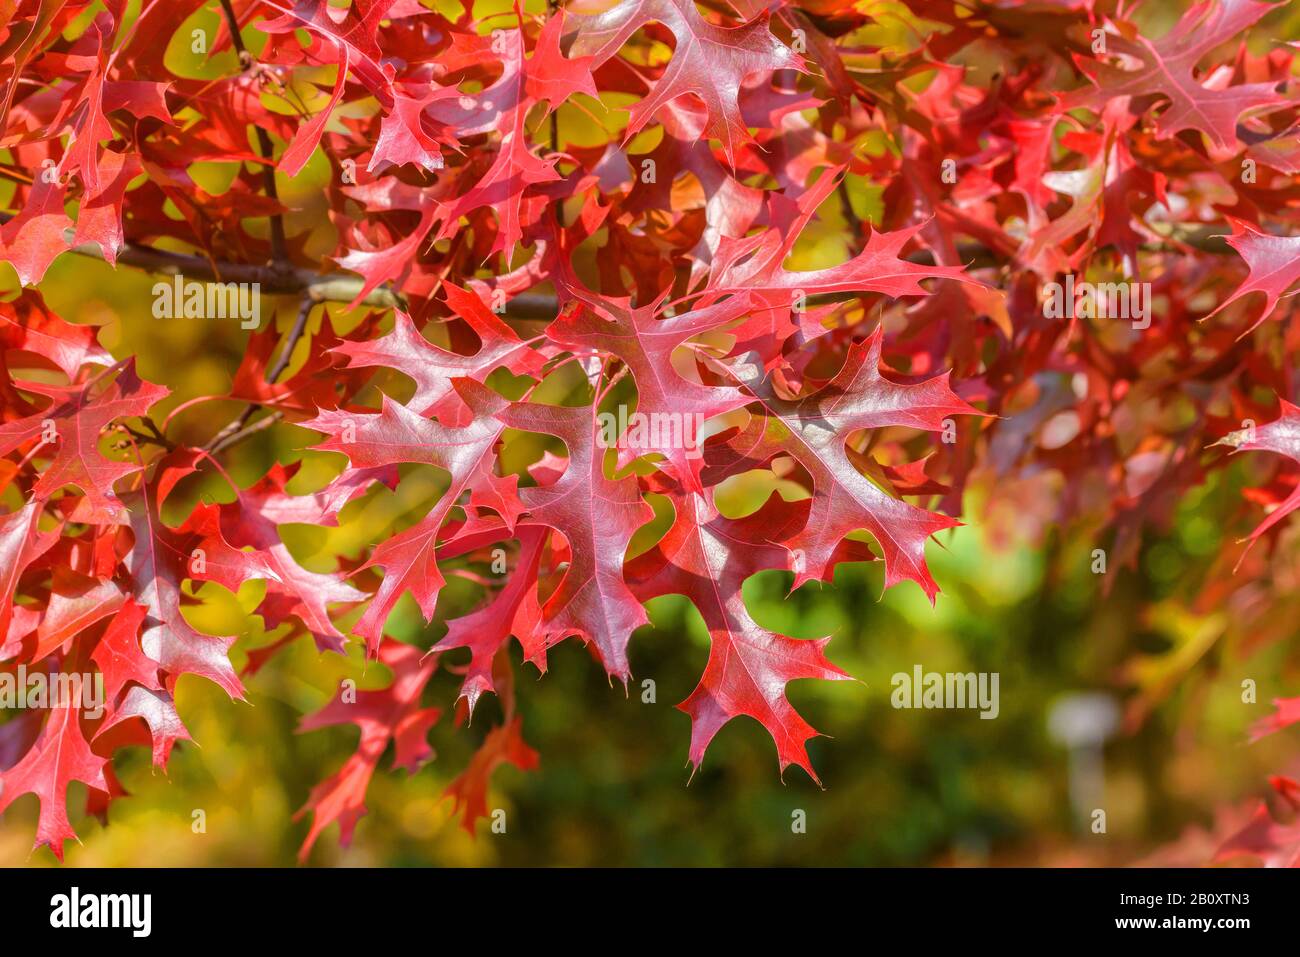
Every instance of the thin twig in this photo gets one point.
(328, 287)
(239, 426)
(278, 248)
(247, 432)
(295, 334)
(850, 217)
(230, 428)
(156, 435)
(156, 439)
(554, 7)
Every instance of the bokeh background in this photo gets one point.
(902, 787)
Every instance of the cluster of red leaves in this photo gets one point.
(1015, 142)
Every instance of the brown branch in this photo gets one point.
(327, 287)
(278, 248)
(343, 287)
(239, 426)
(156, 438)
(15, 175)
(1205, 238)
(158, 434)
(295, 333)
(241, 434)
(531, 306)
(850, 217)
(229, 429)
(553, 7)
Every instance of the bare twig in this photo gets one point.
(295, 333)
(846, 206)
(238, 429)
(241, 434)
(156, 438)
(278, 249)
(553, 7)
(328, 287)
(231, 428)
(158, 434)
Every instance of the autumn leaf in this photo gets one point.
(1167, 70)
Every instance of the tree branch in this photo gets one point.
(327, 287)
(279, 250)
(227, 436)
(295, 333)
(156, 438)
(240, 435)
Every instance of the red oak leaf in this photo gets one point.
(253, 521)
(709, 61)
(28, 325)
(99, 220)
(597, 517)
(1275, 843)
(33, 239)
(74, 421)
(814, 430)
(343, 37)
(1281, 436)
(707, 558)
(398, 434)
(551, 76)
(403, 138)
(432, 368)
(504, 744)
(378, 266)
(21, 543)
(1287, 714)
(158, 727)
(390, 714)
(756, 263)
(1167, 70)
(672, 405)
(513, 611)
(1274, 263)
(160, 559)
(76, 602)
(60, 756)
(118, 653)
